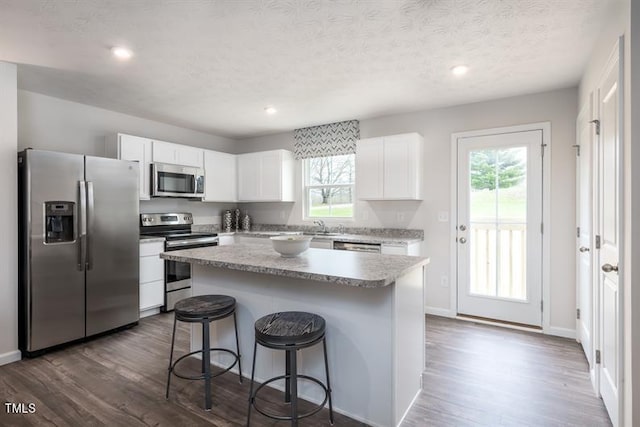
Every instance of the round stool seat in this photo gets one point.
(204, 306)
(290, 328)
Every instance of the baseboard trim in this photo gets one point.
(561, 332)
(10, 357)
(439, 311)
(413, 401)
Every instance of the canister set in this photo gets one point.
(232, 221)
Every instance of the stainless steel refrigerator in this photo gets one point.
(79, 247)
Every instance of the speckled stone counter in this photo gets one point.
(373, 305)
(346, 268)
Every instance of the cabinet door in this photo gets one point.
(138, 149)
(248, 177)
(369, 168)
(270, 175)
(393, 250)
(189, 156)
(164, 152)
(220, 177)
(400, 168)
(151, 295)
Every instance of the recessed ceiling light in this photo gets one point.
(121, 53)
(460, 70)
(270, 109)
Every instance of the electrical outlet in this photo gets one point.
(444, 281)
(400, 216)
(443, 216)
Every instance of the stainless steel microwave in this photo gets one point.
(176, 181)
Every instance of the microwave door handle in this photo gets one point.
(90, 221)
(81, 224)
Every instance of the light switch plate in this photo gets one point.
(443, 216)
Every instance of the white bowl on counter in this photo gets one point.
(289, 246)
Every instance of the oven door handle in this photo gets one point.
(190, 242)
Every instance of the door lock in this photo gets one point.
(462, 228)
(583, 249)
(463, 241)
(608, 268)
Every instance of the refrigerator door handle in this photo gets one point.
(90, 213)
(81, 222)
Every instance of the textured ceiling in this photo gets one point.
(214, 65)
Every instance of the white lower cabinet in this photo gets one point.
(321, 244)
(151, 277)
(412, 249)
(226, 240)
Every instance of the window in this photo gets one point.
(329, 186)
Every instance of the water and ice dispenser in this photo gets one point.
(59, 221)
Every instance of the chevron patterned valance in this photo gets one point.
(334, 139)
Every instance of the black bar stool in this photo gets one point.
(204, 309)
(290, 331)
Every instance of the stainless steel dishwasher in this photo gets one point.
(357, 247)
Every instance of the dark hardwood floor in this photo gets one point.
(476, 375)
(479, 375)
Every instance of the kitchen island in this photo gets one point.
(372, 303)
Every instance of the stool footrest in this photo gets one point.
(318, 408)
(172, 368)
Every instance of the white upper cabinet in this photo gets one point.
(266, 176)
(135, 148)
(177, 154)
(220, 177)
(389, 167)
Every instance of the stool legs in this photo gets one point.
(206, 365)
(173, 341)
(235, 327)
(253, 372)
(293, 381)
(287, 380)
(326, 367)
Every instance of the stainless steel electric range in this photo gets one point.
(176, 229)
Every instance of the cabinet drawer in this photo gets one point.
(151, 269)
(152, 248)
(151, 295)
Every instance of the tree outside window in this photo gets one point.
(329, 186)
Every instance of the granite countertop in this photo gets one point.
(342, 267)
(352, 238)
(151, 239)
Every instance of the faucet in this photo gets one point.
(320, 223)
(341, 228)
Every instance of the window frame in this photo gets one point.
(306, 187)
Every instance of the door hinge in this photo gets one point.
(577, 147)
(598, 357)
(542, 228)
(597, 123)
(577, 313)
(597, 242)
(577, 231)
(542, 149)
(541, 305)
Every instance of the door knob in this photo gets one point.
(608, 268)
(583, 249)
(462, 240)
(462, 227)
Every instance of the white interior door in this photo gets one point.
(608, 230)
(585, 248)
(499, 227)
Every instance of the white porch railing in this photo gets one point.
(498, 254)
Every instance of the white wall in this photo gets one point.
(9, 215)
(48, 123)
(559, 107)
(619, 23)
